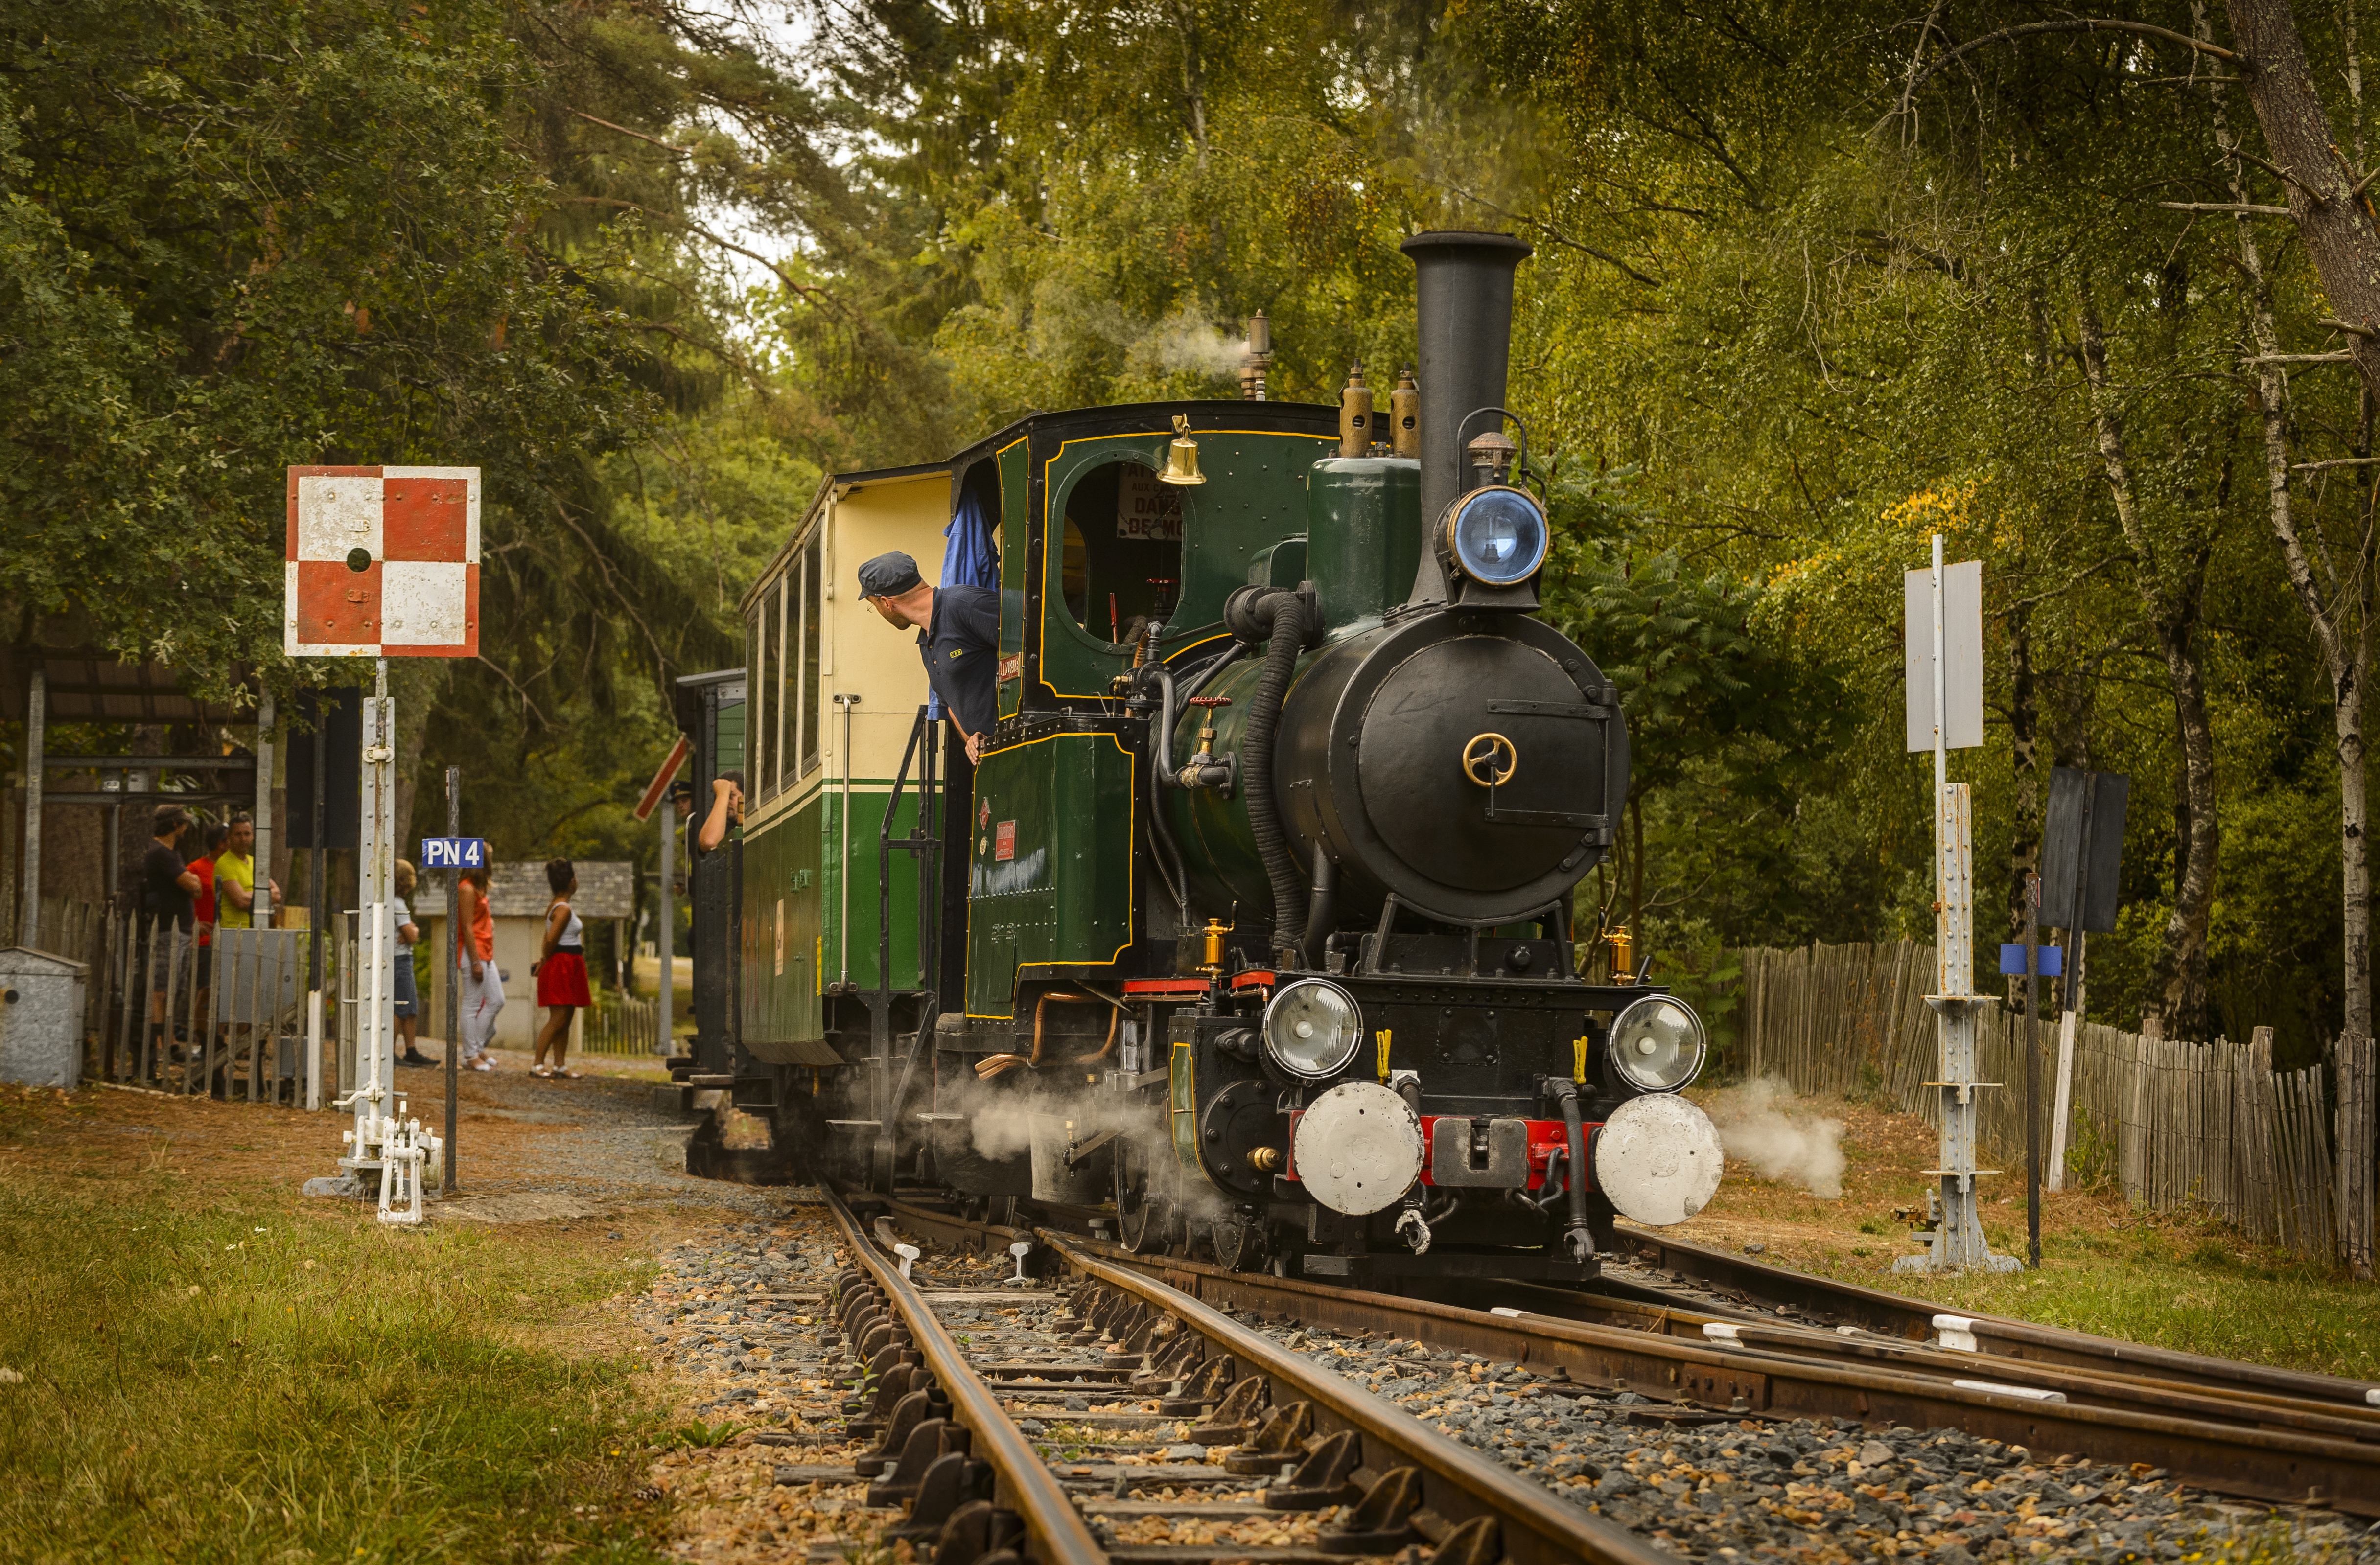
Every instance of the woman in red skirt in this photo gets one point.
(561, 972)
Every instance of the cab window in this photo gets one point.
(1123, 551)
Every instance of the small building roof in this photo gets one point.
(607, 888)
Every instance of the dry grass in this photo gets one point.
(2180, 1279)
(214, 1367)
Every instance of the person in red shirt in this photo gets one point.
(475, 958)
(203, 905)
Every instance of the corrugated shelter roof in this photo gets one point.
(607, 888)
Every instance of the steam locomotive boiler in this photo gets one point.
(1250, 932)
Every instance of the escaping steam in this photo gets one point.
(1761, 1122)
(1185, 341)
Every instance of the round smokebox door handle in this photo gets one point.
(1480, 758)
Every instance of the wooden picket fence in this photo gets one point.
(2173, 1123)
(621, 1024)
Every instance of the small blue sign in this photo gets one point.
(471, 853)
(2051, 963)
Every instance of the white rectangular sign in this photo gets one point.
(1962, 642)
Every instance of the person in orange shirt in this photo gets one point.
(482, 992)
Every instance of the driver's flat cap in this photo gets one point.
(889, 575)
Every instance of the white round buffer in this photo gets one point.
(1358, 1148)
(1658, 1159)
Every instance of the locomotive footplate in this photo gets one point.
(1366, 1270)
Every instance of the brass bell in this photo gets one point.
(1181, 456)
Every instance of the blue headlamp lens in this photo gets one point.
(1499, 537)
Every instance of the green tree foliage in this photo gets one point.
(256, 234)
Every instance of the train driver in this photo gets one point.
(958, 636)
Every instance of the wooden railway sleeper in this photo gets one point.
(1205, 1387)
(1235, 1417)
(1381, 1522)
(1324, 1478)
(1277, 1440)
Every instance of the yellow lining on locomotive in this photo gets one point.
(1131, 879)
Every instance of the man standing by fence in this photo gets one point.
(167, 885)
(235, 877)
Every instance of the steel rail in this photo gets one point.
(1995, 1336)
(1538, 1527)
(2346, 1421)
(1026, 1485)
(2274, 1465)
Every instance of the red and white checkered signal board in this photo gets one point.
(383, 562)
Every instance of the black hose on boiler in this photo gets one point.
(1280, 618)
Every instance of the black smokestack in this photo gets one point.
(1464, 298)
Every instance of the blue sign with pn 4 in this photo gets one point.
(2050, 964)
(471, 853)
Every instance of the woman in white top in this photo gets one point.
(561, 971)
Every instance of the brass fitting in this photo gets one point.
(1405, 415)
(1623, 946)
(1266, 1160)
(1354, 413)
(1214, 932)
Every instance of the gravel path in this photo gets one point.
(1807, 1489)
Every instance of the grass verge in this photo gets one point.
(249, 1377)
(2182, 1280)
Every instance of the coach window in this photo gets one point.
(1123, 559)
(760, 713)
(812, 587)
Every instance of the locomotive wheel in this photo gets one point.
(1239, 1241)
(1144, 1208)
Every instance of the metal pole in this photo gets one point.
(314, 897)
(2033, 1069)
(454, 969)
(2070, 988)
(667, 945)
(374, 1090)
(29, 916)
(846, 703)
(261, 908)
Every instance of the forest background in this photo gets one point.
(1811, 282)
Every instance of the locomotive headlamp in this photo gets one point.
(1657, 1044)
(1495, 536)
(1312, 1029)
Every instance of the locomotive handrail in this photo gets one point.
(923, 842)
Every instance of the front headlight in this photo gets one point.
(1496, 536)
(1657, 1043)
(1312, 1028)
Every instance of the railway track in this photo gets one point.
(1294, 1440)
(1725, 1357)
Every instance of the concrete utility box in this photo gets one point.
(40, 1017)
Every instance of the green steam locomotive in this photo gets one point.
(1249, 934)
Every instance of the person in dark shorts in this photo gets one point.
(408, 935)
(561, 972)
(958, 636)
(167, 887)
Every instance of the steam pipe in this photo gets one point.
(1322, 908)
(1577, 1235)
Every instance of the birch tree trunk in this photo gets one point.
(2344, 245)
(2172, 600)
